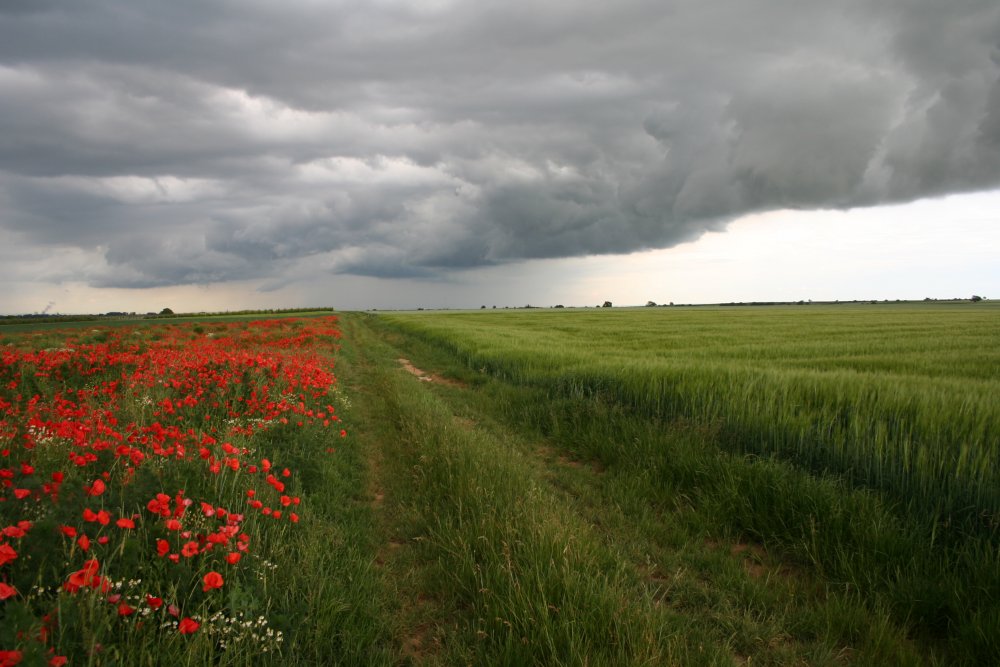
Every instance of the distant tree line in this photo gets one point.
(164, 313)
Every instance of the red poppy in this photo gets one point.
(58, 661)
(84, 542)
(125, 610)
(125, 523)
(188, 626)
(153, 602)
(162, 547)
(7, 591)
(10, 658)
(212, 580)
(7, 553)
(95, 489)
(87, 576)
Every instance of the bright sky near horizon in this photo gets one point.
(404, 153)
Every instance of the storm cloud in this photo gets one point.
(189, 143)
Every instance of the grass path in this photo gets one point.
(497, 542)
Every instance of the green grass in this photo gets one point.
(856, 441)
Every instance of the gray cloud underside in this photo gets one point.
(190, 142)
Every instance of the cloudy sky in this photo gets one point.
(403, 153)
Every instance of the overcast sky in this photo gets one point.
(394, 153)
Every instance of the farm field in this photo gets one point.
(158, 496)
(690, 486)
(855, 445)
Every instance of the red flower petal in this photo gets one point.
(188, 626)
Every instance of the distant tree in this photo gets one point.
(607, 304)
(166, 311)
(483, 307)
(650, 304)
(975, 298)
(558, 305)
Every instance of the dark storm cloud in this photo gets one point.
(191, 142)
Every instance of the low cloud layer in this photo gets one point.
(190, 143)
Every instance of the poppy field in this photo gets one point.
(149, 485)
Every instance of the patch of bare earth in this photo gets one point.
(755, 559)
(465, 422)
(552, 456)
(424, 376)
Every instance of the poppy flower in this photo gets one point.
(188, 626)
(7, 553)
(125, 610)
(7, 591)
(10, 658)
(154, 602)
(58, 661)
(95, 489)
(212, 580)
(87, 576)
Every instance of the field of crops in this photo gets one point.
(897, 398)
(814, 485)
(149, 483)
(890, 411)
